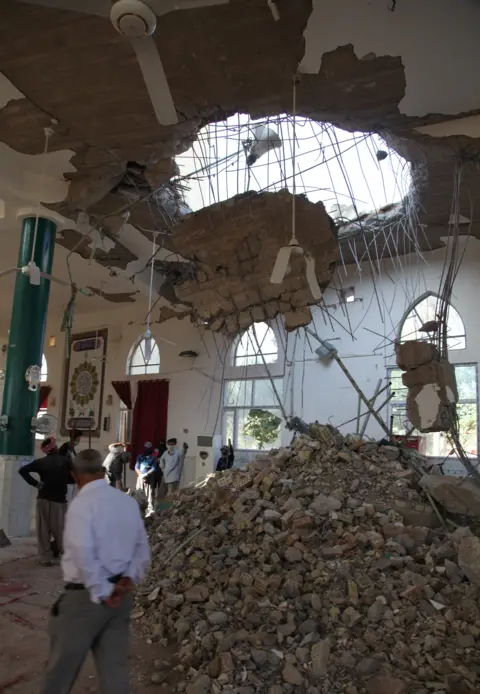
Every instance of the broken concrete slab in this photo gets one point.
(431, 407)
(469, 558)
(414, 353)
(234, 245)
(457, 495)
(441, 372)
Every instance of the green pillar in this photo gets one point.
(26, 338)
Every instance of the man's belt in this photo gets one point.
(80, 586)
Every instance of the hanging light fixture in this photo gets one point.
(147, 335)
(280, 268)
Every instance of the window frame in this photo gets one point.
(413, 309)
(260, 355)
(464, 401)
(236, 408)
(137, 346)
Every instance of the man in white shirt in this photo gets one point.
(171, 464)
(105, 552)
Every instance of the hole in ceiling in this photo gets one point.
(352, 173)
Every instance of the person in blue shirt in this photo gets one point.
(146, 469)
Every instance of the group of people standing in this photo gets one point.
(159, 468)
(104, 549)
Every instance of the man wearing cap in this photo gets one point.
(146, 469)
(54, 472)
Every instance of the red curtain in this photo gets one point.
(123, 390)
(149, 415)
(43, 397)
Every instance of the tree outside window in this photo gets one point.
(240, 398)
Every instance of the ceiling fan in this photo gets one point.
(137, 21)
(32, 271)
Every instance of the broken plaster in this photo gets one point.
(428, 402)
(421, 33)
(8, 92)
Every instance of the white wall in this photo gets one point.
(322, 391)
(319, 391)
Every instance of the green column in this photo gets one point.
(26, 338)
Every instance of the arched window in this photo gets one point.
(256, 346)
(144, 357)
(44, 371)
(424, 315)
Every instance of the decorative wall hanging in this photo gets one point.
(84, 383)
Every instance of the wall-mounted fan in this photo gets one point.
(45, 425)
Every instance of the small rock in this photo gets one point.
(323, 505)
(259, 657)
(320, 654)
(376, 611)
(386, 685)
(368, 666)
(202, 685)
(291, 675)
(154, 594)
(217, 618)
(159, 677)
(198, 593)
(293, 554)
(174, 600)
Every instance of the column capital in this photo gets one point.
(50, 215)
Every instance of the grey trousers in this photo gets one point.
(80, 626)
(50, 523)
(172, 487)
(149, 491)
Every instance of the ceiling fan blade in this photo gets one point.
(312, 277)
(54, 279)
(4, 273)
(155, 80)
(161, 7)
(281, 265)
(99, 7)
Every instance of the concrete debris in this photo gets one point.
(308, 580)
(456, 494)
(414, 353)
(469, 558)
(432, 388)
(234, 246)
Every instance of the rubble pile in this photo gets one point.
(317, 570)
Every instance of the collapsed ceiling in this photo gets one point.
(74, 73)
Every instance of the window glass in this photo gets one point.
(426, 311)
(145, 358)
(256, 346)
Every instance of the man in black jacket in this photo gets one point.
(54, 472)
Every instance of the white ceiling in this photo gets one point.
(436, 39)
